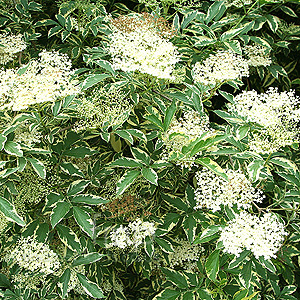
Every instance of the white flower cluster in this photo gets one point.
(263, 236)
(257, 56)
(10, 45)
(34, 256)
(133, 235)
(182, 132)
(277, 112)
(45, 79)
(214, 191)
(220, 67)
(143, 49)
(185, 255)
(103, 107)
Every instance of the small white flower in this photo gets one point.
(257, 56)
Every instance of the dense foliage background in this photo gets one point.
(149, 149)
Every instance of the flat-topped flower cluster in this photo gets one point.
(34, 256)
(213, 191)
(45, 79)
(132, 235)
(263, 236)
(140, 43)
(277, 112)
(220, 67)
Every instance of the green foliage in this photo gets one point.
(91, 174)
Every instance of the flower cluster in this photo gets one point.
(10, 45)
(214, 191)
(220, 67)
(185, 255)
(277, 112)
(263, 236)
(140, 43)
(34, 256)
(103, 107)
(182, 132)
(257, 56)
(45, 79)
(132, 235)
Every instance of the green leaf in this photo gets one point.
(64, 279)
(189, 227)
(2, 141)
(190, 195)
(92, 80)
(71, 169)
(68, 237)
(150, 175)
(288, 11)
(203, 40)
(80, 152)
(45, 22)
(60, 209)
(164, 245)
(204, 294)
(89, 199)
(245, 274)
(239, 259)
(188, 18)
(176, 278)
(10, 212)
(276, 70)
(272, 22)
(267, 264)
(176, 23)
(54, 30)
(254, 169)
(137, 133)
(214, 10)
(212, 265)
(207, 234)
(77, 187)
(285, 163)
(86, 259)
(167, 294)
(13, 149)
(175, 202)
(90, 288)
(231, 119)
(169, 115)
(212, 165)
(148, 246)
(38, 167)
(140, 156)
(126, 180)
(105, 65)
(126, 162)
(84, 221)
(228, 35)
(125, 135)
